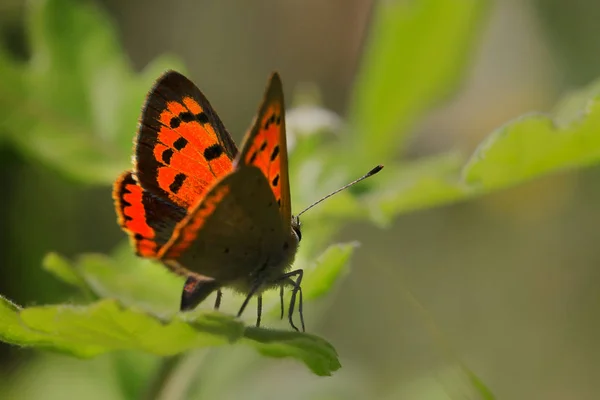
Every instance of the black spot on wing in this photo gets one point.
(253, 158)
(180, 143)
(202, 118)
(275, 181)
(187, 116)
(213, 151)
(166, 156)
(275, 153)
(177, 183)
(175, 122)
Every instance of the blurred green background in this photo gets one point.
(510, 279)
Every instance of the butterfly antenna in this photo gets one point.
(368, 174)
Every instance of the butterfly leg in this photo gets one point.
(281, 300)
(258, 310)
(300, 311)
(218, 299)
(287, 279)
(196, 290)
(296, 289)
(252, 292)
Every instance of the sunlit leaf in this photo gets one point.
(415, 53)
(532, 146)
(61, 268)
(526, 148)
(106, 326)
(318, 355)
(327, 270)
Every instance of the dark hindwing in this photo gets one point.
(148, 219)
(233, 233)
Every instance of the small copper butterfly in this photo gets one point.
(220, 217)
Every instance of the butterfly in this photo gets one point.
(219, 216)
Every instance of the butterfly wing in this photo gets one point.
(234, 232)
(182, 147)
(265, 147)
(148, 219)
(240, 232)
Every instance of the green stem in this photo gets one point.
(174, 377)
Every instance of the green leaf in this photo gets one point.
(134, 281)
(315, 352)
(327, 270)
(106, 326)
(572, 106)
(9, 317)
(144, 285)
(13, 331)
(526, 148)
(61, 268)
(533, 146)
(414, 56)
(74, 105)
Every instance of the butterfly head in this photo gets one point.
(296, 227)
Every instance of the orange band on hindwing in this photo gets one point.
(188, 229)
(148, 220)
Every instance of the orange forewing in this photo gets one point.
(147, 219)
(182, 147)
(265, 146)
(182, 150)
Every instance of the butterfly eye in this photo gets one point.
(296, 227)
(298, 233)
